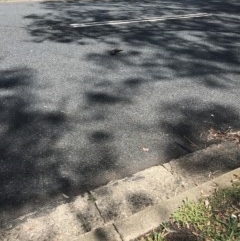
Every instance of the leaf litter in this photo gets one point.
(229, 135)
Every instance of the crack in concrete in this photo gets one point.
(120, 236)
(96, 206)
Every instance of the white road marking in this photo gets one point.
(153, 19)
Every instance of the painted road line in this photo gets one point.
(153, 19)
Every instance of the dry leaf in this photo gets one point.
(206, 203)
(228, 135)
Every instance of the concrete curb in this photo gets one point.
(123, 198)
(150, 218)
(106, 233)
(127, 208)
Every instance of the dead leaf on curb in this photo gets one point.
(206, 203)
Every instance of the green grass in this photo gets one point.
(156, 237)
(91, 198)
(214, 219)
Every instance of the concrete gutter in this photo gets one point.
(150, 218)
(124, 209)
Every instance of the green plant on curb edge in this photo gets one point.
(156, 237)
(214, 219)
(91, 198)
(192, 214)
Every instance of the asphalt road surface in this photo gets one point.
(74, 116)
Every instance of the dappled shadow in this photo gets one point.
(189, 122)
(112, 113)
(138, 201)
(210, 162)
(34, 169)
(10, 79)
(204, 48)
(102, 98)
(54, 25)
(28, 168)
(97, 164)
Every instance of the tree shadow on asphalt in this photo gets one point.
(199, 47)
(189, 122)
(30, 161)
(33, 168)
(203, 49)
(28, 168)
